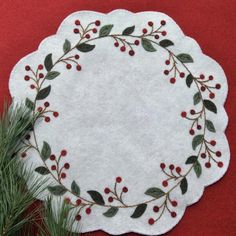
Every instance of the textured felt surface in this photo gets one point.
(211, 24)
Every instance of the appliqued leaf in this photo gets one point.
(166, 43)
(42, 170)
(184, 185)
(46, 151)
(29, 104)
(191, 160)
(57, 190)
(210, 126)
(128, 30)
(209, 105)
(197, 140)
(105, 30)
(43, 93)
(48, 62)
(139, 210)
(147, 45)
(189, 80)
(75, 189)
(197, 168)
(52, 75)
(197, 98)
(111, 212)
(185, 58)
(66, 46)
(85, 47)
(96, 196)
(155, 192)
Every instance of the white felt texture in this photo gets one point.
(120, 116)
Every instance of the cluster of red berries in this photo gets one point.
(79, 29)
(88, 210)
(69, 59)
(123, 46)
(203, 155)
(167, 72)
(155, 32)
(43, 110)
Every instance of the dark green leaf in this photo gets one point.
(184, 185)
(147, 45)
(197, 140)
(46, 151)
(210, 126)
(128, 30)
(42, 170)
(210, 105)
(52, 75)
(198, 169)
(191, 160)
(75, 189)
(57, 190)
(111, 212)
(43, 93)
(85, 47)
(139, 210)
(197, 98)
(48, 62)
(189, 80)
(166, 43)
(105, 30)
(29, 104)
(66, 46)
(155, 192)
(96, 196)
(185, 58)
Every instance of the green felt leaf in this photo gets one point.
(46, 151)
(85, 47)
(191, 160)
(128, 30)
(147, 45)
(48, 62)
(155, 192)
(139, 210)
(197, 140)
(197, 98)
(185, 58)
(189, 80)
(197, 168)
(105, 30)
(166, 43)
(96, 196)
(184, 185)
(43, 93)
(57, 190)
(42, 170)
(209, 105)
(210, 126)
(66, 46)
(111, 212)
(75, 189)
(52, 75)
(29, 104)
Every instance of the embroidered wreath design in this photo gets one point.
(56, 165)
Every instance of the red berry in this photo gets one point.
(27, 78)
(171, 167)
(27, 68)
(167, 62)
(163, 22)
(97, 22)
(155, 208)
(199, 127)
(150, 23)
(87, 36)
(78, 67)
(122, 48)
(78, 217)
(77, 22)
(125, 189)
(52, 157)
(183, 114)
(144, 31)
(172, 80)
(211, 77)
(40, 109)
(40, 67)
(131, 52)
(110, 199)
(203, 88)
(218, 154)
(136, 42)
(163, 33)
(151, 221)
(211, 95)
(23, 154)
(202, 76)
(118, 179)
(67, 165)
(165, 183)
(76, 31)
(55, 114)
(78, 202)
(166, 72)
(95, 30)
(116, 44)
(41, 75)
(68, 66)
(218, 86)
(192, 112)
(63, 175)
(32, 86)
(47, 119)
(53, 167)
(173, 214)
(107, 190)
(162, 165)
(213, 142)
(156, 36)
(220, 164)
(46, 104)
(76, 56)
(88, 211)
(178, 169)
(181, 74)
(63, 153)
(191, 131)
(207, 164)
(203, 155)
(174, 203)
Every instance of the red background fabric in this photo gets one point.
(23, 24)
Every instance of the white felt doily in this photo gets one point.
(131, 119)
